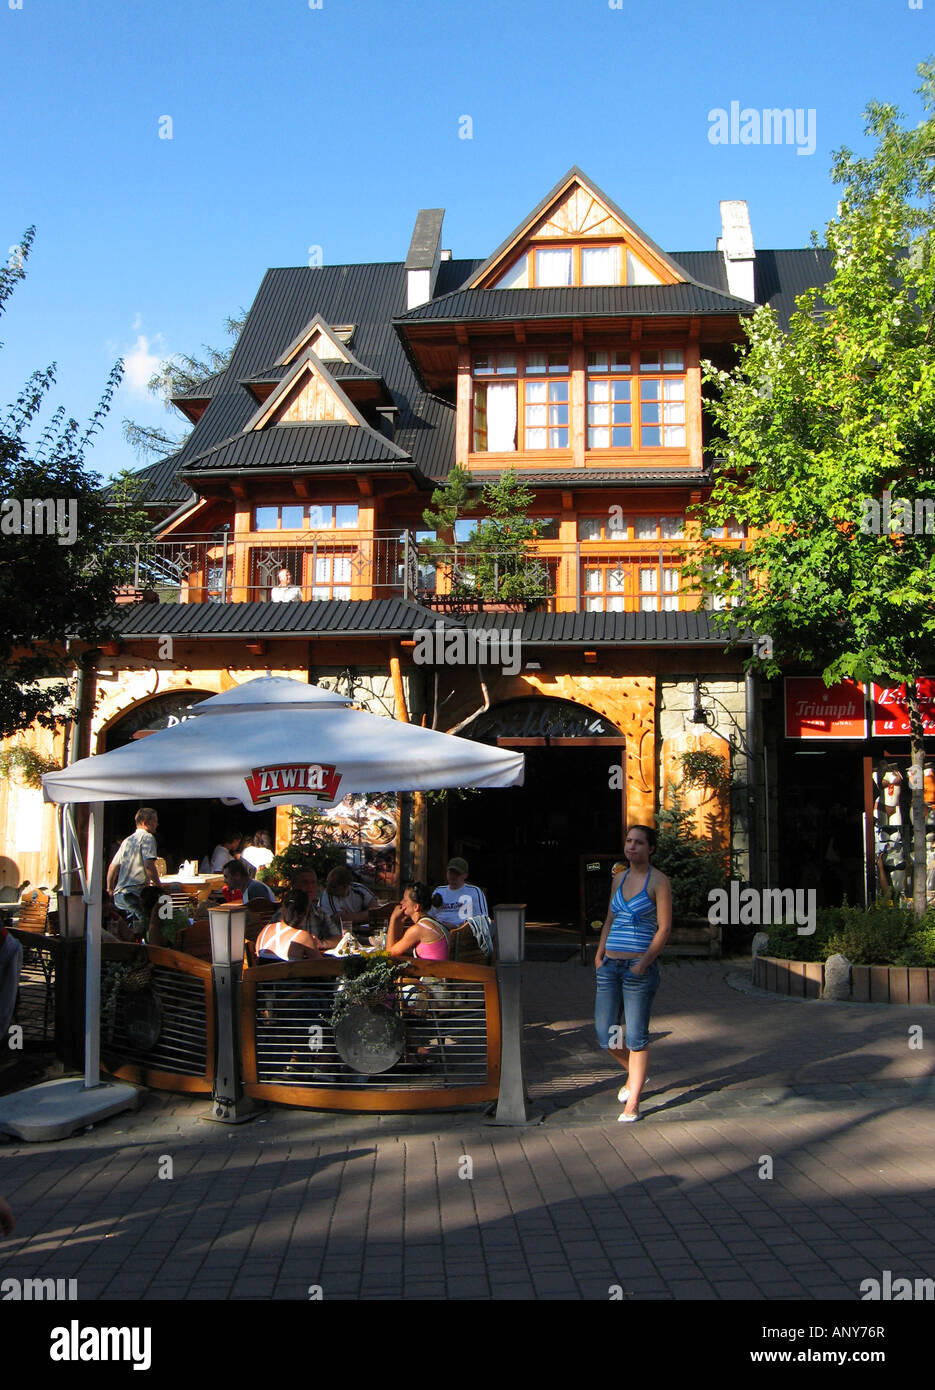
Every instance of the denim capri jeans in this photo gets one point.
(621, 994)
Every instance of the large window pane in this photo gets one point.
(267, 518)
(644, 528)
(553, 267)
(320, 517)
(589, 529)
(600, 265)
(346, 516)
(293, 518)
(671, 528)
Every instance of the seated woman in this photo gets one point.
(424, 937)
(283, 939)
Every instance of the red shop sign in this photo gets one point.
(890, 716)
(815, 710)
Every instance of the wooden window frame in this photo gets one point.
(576, 248)
(520, 377)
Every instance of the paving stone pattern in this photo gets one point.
(440, 1206)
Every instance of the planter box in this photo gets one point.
(876, 984)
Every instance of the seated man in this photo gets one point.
(238, 882)
(11, 964)
(285, 591)
(345, 901)
(285, 938)
(459, 899)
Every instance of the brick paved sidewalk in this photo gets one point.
(438, 1206)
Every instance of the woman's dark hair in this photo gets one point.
(421, 895)
(648, 831)
(294, 907)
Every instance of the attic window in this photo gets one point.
(516, 278)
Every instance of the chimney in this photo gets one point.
(424, 256)
(736, 244)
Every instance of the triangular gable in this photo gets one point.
(577, 209)
(324, 341)
(307, 395)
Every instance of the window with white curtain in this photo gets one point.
(501, 416)
(600, 265)
(553, 267)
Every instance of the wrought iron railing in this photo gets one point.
(582, 576)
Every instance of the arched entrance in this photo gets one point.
(187, 829)
(525, 844)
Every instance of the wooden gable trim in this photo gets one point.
(306, 369)
(570, 216)
(318, 325)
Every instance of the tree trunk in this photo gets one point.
(917, 785)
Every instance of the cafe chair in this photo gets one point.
(472, 943)
(34, 918)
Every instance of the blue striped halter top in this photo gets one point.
(634, 921)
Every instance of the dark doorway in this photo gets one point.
(524, 843)
(821, 821)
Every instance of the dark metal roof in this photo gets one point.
(606, 629)
(397, 617)
(781, 275)
(576, 301)
(426, 236)
(297, 446)
(160, 484)
(350, 617)
(366, 295)
(203, 390)
(341, 371)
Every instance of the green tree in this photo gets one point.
(172, 377)
(819, 428)
(56, 580)
(496, 562)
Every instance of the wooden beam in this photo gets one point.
(364, 485)
(300, 487)
(238, 488)
(399, 694)
(461, 334)
(519, 332)
(577, 332)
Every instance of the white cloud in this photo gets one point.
(140, 363)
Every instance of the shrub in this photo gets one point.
(692, 864)
(878, 935)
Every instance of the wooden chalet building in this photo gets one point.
(570, 353)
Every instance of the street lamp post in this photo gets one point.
(512, 1105)
(228, 925)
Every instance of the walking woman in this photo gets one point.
(636, 929)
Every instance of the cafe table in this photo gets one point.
(198, 886)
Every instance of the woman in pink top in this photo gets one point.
(425, 938)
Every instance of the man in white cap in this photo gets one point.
(460, 899)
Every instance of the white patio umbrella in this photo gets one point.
(272, 741)
(276, 742)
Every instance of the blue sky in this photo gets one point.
(295, 127)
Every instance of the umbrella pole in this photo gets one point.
(92, 996)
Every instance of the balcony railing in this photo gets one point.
(584, 576)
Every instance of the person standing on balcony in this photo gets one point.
(285, 591)
(636, 929)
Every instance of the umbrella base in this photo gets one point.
(56, 1109)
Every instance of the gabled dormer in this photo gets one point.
(577, 236)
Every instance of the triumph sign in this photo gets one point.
(316, 782)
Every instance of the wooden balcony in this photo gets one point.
(584, 576)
